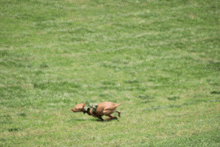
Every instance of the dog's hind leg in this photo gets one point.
(110, 118)
(108, 112)
(119, 113)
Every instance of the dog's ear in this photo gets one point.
(81, 106)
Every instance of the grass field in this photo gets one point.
(160, 59)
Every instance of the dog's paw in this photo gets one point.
(116, 118)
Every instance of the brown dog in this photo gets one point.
(98, 110)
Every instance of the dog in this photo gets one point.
(98, 110)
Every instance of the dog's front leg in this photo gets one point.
(100, 117)
(95, 115)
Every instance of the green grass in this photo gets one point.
(160, 59)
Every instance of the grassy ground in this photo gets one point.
(160, 59)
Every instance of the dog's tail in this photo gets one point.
(117, 105)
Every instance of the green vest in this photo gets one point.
(91, 106)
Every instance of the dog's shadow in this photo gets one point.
(80, 119)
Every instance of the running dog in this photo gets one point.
(98, 110)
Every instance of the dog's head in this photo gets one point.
(79, 107)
